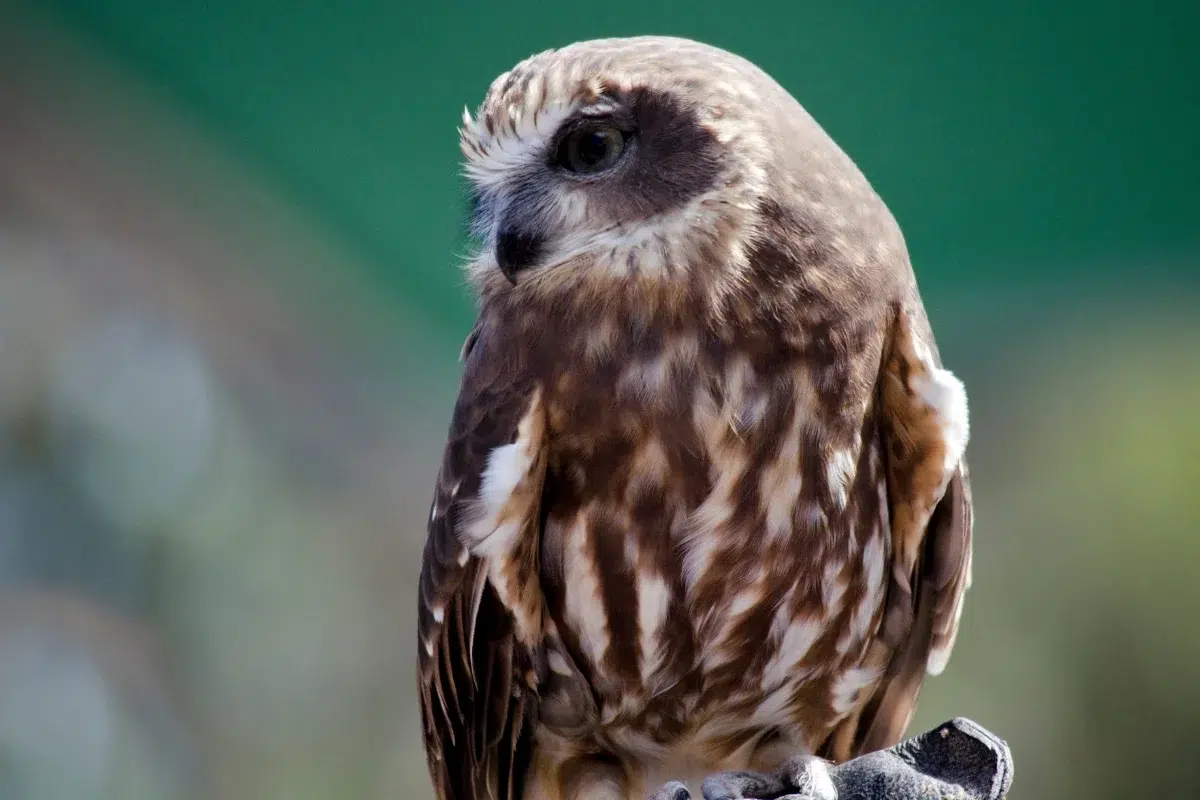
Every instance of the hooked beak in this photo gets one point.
(516, 251)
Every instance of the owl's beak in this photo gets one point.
(516, 251)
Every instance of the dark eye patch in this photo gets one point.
(676, 157)
(620, 118)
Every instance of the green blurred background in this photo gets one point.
(230, 310)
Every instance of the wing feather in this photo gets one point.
(478, 635)
(923, 438)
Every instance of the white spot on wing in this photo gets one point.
(506, 466)
(500, 540)
(939, 657)
(487, 533)
(948, 397)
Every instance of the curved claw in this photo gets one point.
(803, 777)
(672, 791)
(738, 785)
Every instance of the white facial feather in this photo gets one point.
(509, 142)
(492, 160)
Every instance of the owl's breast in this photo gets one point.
(714, 550)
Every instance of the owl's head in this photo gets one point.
(645, 161)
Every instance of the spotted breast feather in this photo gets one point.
(681, 554)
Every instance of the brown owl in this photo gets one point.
(703, 505)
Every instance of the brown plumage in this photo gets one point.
(703, 504)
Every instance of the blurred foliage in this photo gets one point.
(229, 318)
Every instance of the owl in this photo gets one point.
(703, 505)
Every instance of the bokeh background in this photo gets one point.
(230, 311)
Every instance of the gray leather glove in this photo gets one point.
(957, 760)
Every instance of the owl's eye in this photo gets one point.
(590, 150)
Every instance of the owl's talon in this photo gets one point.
(672, 791)
(801, 778)
(736, 785)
